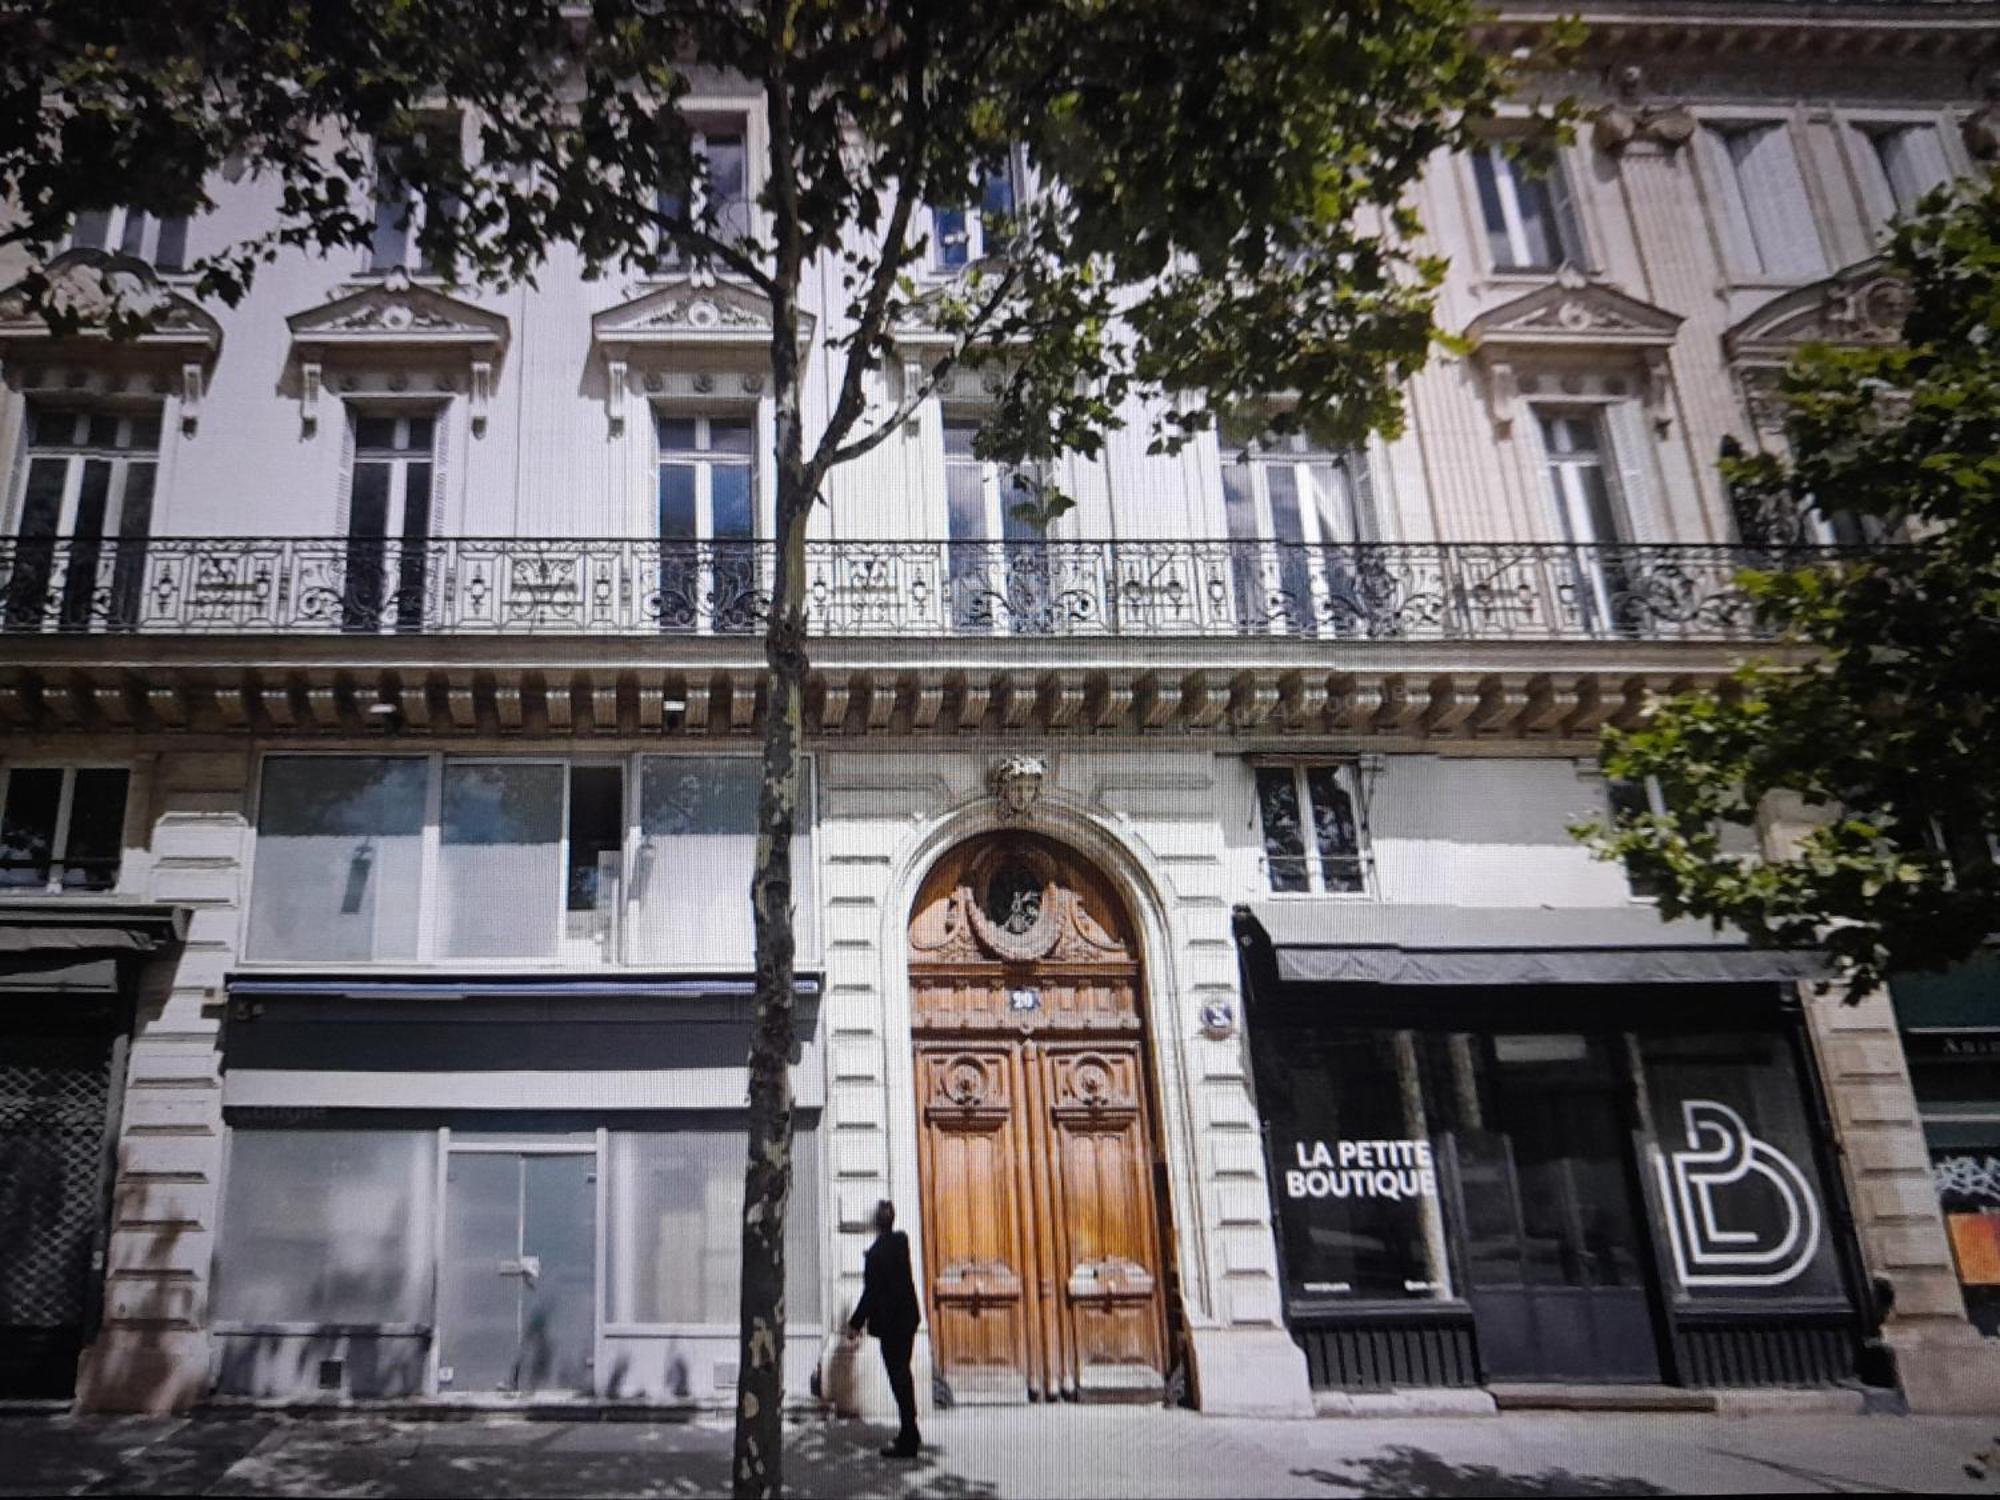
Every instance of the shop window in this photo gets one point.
(675, 1224)
(1353, 1168)
(158, 239)
(1758, 194)
(1968, 1186)
(500, 859)
(1314, 841)
(1528, 213)
(327, 1226)
(63, 828)
(1734, 1168)
(697, 848)
(339, 873)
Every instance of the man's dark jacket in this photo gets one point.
(888, 1306)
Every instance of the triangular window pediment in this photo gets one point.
(395, 314)
(94, 287)
(689, 313)
(1572, 313)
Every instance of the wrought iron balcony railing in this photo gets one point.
(1462, 591)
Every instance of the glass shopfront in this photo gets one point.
(1588, 1200)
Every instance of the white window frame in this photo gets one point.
(119, 224)
(409, 257)
(59, 837)
(1565, 215)
(710, 122)
(586, 953)
(399, 461)
(976, 248)
(704, 459)
(1349, 773)
(1562, 482)
(1745, 258)
(77, 455)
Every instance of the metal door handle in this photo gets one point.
(529, 1266)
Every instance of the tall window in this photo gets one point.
(399, 208)
(1293, 511)
(1902, 163)
(159, 240)
(1313, 839)
(708, 522)
(62, 828)
(85, 509)
(389, 519)
(964, 233)
(1589, 514)
(721, 190)
(1529, 216)
(997, 565)
(1766, 219)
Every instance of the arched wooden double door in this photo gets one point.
(1042, 1231)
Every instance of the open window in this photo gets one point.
(707, 500)
(963, 234)
(399, 207)
(1528, 212)
(1299, 517)
(719, 197)
(1314, 842)
(160, 240)
(83, 515)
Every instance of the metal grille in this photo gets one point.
(53, 1095)
(1386, 1357)
(1777, 1353)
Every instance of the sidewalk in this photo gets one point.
(996, 1452)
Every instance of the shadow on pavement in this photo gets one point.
(1404, 1470)
(502, 1460)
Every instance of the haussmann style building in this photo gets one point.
(1193, 943)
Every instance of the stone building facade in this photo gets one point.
(1193, 943)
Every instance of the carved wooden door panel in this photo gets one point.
(1106, 1230)
(970, 1153)
(1042, 1238)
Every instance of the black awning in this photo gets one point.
(58, 943)
(1321, 941)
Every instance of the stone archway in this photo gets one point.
(1037, 1144)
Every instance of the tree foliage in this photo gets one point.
(1220, 221)
(1885, 724)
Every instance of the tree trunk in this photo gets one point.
(759, 1454)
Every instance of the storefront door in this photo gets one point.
(55, 1091)
(519, 1280)
(1042, 1237)
(1555, 1268)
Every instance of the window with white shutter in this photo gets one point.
(1763, 213)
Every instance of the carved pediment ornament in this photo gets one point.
(384, 322)
(1631, 120)
(694, 318)
(1011, 905)
(1863, 304)
(93, 287)
(1575, 320)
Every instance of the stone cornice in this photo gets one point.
(1968, 30)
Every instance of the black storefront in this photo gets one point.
(1544, 1147)
(68, 977)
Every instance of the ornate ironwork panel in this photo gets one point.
(1469, 591)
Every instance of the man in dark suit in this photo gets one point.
(889, 1309)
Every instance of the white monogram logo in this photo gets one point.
(1721, 1153)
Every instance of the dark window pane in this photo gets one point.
(1284, 832)
(92, 496)
(134, 242)
(41, 507)
(145, 431)
(1339, 839)
(729, 494)
(949, 231)
(416, 502)
(368, 511)
(677, 434)
(172, 252)
(677, 519)
(421, 430)
(103, 429)
(93, 228)
(596, 828)
(96, 830)
(374, 432)
(28, 826)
